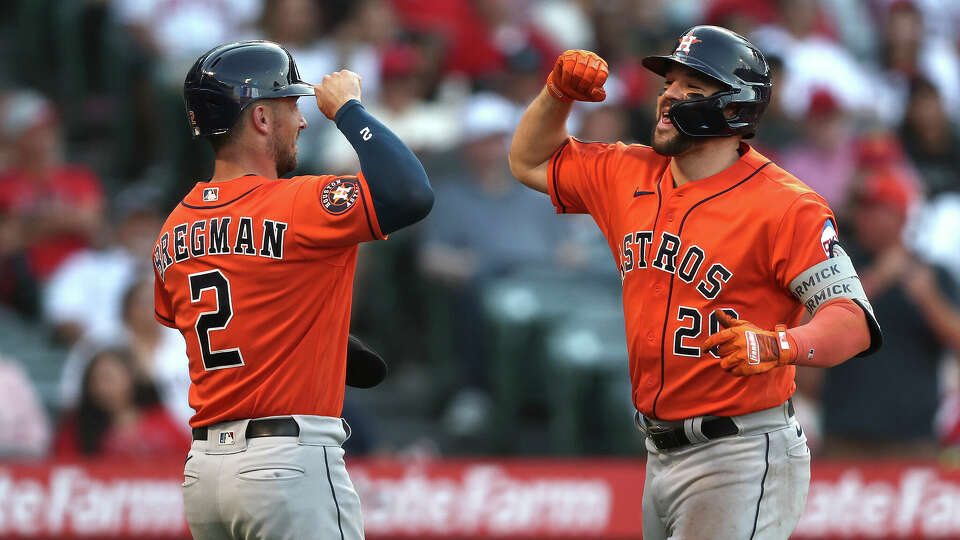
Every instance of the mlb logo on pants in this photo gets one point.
(226, 437)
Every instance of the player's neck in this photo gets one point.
(704, 160)
(237, 163)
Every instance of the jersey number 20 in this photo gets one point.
(214, 320)
(680, 346)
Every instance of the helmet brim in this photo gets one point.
(291, 90)
(661, 64)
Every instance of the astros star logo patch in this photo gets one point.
(685, 43)
(339, 195)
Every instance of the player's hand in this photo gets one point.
(578, 75)
(745, 349)
(336, 89)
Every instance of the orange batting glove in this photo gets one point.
(578, 75)
(745, 349)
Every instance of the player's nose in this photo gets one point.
(673, 91)
(303, 123)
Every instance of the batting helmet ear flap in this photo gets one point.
(704, 116)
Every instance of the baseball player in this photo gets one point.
(708, 234)
(257, 273)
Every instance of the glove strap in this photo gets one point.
(788, 354)
(555, 91)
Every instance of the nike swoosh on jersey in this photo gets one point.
(638, 193)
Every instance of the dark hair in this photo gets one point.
(92, 420)
(221, 141)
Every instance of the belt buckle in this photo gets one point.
(666, 438)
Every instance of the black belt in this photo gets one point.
(267, 427)
(668, 438)
(674, 436)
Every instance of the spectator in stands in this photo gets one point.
(426, 127)
(24, 427)
(58, 205)
(930, 139)
(483, 227)
(886, 404)
(803, 38)
(473, 233)
(83, 298)
(908, 50)
(157, 351)
(479, 35)
(178, 32)
(118, 415)
(779, 131)
(824, 158)
(19, 290)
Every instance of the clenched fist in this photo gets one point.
(336, 89)
(578, 75)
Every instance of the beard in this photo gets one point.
(673, 144)
(284, 155)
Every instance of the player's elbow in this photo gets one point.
(420, 202)
(530, 175)
(416, 203)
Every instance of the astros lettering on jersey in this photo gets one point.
(678, 265)
(258, 262)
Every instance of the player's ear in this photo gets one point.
(261, 118)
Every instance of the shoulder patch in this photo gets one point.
(828, 238)
(340, 194)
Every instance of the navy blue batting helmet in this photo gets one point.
(229, 77)
(729, 59)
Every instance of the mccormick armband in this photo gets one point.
(832, 279)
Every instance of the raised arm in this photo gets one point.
(577, 75)
(399, 186)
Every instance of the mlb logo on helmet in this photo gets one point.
(211, 194)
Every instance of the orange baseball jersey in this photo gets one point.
(258, 276)
(734, 240)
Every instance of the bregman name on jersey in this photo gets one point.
(219, 236)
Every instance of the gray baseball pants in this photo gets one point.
(276, 488)
(752, 485)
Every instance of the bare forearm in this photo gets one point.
(836, 333)
(541, 131)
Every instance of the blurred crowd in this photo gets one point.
(501, 322)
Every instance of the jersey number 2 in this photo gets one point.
(214, 320)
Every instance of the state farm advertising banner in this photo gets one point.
(503, 499)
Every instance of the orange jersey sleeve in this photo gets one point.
(162, 311)
(594, 178)
(805, 235)
(333, 211)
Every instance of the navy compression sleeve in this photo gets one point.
(399, 186)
